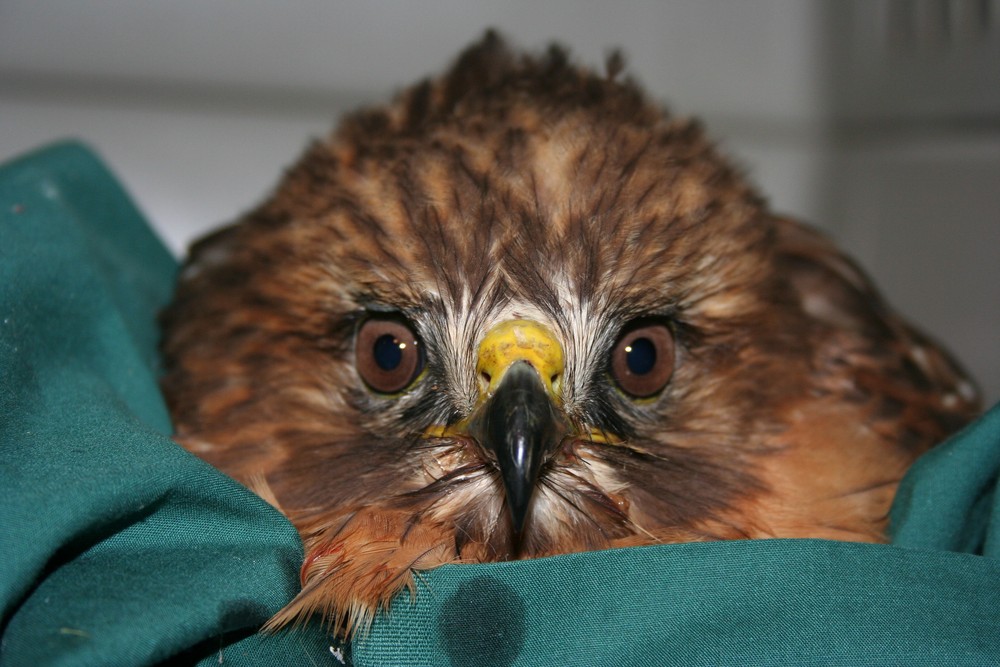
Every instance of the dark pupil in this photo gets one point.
(388, 353)
(640, 356)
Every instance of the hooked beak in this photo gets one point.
(520, 426)
(520, 366)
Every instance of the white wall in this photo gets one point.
(878, 120)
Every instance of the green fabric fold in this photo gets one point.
(120, 548)
(768, 602)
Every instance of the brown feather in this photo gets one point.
(524, 187)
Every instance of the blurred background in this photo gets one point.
(877, 120)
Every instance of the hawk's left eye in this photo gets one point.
(387, 355)
(643, 359)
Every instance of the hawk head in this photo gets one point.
(523, 311)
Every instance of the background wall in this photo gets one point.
(878, 120)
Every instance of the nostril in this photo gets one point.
(486, 377)
(555, 382)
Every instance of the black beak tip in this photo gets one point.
(520, 426)
(518, 502)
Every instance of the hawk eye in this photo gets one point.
(643, 359)
(388, 355)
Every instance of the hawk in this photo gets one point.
(522, 310)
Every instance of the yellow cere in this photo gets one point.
(520, 340)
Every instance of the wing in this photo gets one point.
(867, 353)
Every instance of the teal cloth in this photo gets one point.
(119, 548)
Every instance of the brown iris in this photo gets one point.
(387, 354)
(643, 359)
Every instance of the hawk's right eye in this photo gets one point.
(388, 355)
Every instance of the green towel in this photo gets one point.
(119, 548)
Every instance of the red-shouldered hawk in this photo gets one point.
(522, 311)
